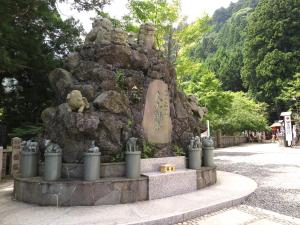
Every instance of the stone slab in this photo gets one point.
(153, 164)
(157, 124)
(231, 189)
(162, 185)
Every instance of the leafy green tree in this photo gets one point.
(228, 111)
(161, 13)
(272, 50)
(245, 114)
(88, 5)
(33, 40)
(194, 77)
(290, 95)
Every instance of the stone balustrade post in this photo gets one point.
(1, 159)
(16, 153)
(219, 139)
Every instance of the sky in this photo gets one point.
(190, 8)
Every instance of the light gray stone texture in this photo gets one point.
(162, 185)
(153, 164)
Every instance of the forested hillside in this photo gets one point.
(222, 47)
(253, 46)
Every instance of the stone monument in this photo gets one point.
(117, 86)
(118, 93)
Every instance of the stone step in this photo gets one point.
(163, 185)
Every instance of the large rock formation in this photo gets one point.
(131, 90)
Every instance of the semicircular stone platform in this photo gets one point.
(113, 187)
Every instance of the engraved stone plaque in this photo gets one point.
(157, 122)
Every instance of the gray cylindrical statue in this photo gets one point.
(29, 159)
(53, 161)
(208, 151)
(91, 163)
(133, 159)
(195, 158)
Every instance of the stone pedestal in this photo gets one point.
(153, 164)
(162, 185)
(16, 150)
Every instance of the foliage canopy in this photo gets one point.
(272, 50)
(33, 40)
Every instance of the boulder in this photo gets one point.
(113, 102)
(119, 37)
(61, 82)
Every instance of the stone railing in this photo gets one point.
(5, 162)
(227, 141)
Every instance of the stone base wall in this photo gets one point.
(75, 170)
(80, 193)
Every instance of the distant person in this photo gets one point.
(273, 138)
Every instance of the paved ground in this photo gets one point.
(275, 169)
(230, 190)
(277, 172)
(243, 215)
